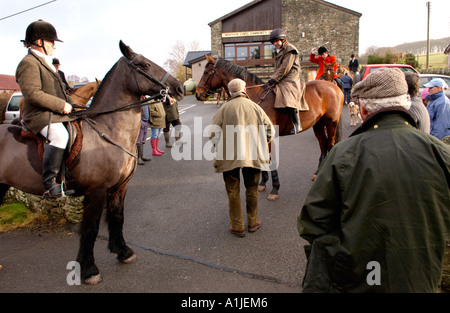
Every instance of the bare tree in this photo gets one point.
(176, 60)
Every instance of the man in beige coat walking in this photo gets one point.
(241, 131)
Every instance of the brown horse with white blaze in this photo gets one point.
(325, 102)
(103, 168)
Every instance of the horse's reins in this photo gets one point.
(163, 93)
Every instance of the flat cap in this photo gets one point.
(236, 85)
(383, 83)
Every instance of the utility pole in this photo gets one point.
(428, 34)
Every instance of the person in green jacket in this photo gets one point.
(157, 123)
(172, 118)
(377, 218)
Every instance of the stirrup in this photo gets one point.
(63, 193)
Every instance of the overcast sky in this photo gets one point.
(91, 29)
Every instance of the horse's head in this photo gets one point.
(209, 82)
(329, 72)
(148, 78)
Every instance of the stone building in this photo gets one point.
(242, 36)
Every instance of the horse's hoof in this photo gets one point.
(314, 177)
(93, 280)
(261, 188)
(131, 259)
(272, 197)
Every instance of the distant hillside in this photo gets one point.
(420, 47)
(417, 48)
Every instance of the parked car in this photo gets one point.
(76, 86)
(369, 68)
(425, 78)
(12, 108)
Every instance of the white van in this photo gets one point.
(12, 108)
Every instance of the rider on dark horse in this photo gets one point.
(322, 60)
(290, 89)
(45, 103)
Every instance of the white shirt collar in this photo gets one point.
(48, 59)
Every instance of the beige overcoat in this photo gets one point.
(43, 93)
(290, 88)
(241, 131)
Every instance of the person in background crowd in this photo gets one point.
(438, 108)
(57, 65)
(145, 122)
(157, 123)
(172, 118)
(377, 217)
(348, 84)
(418, 111)
(353, 65)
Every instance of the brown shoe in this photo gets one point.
(252, 229)
(239, 233)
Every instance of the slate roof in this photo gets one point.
(193, 56)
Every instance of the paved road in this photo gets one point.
(176, 220)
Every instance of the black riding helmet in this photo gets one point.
(277, 34)
(40, 30)
(322, 50)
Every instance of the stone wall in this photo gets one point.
(216, 40)
(70, 208)
(311, 24)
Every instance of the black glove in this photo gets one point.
(272, 82)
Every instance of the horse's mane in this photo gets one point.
(238, 71)
(104, 84)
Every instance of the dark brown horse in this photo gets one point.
(103, 168)
(325, 102)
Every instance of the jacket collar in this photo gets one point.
(238, 95)
(375, 119)
(44, 64)
(42, 60)
(436, 95)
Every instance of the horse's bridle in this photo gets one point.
(208, 91)
(163, 92)
(161, 83)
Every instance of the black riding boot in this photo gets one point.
(51, 165)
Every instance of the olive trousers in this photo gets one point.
(232, 185)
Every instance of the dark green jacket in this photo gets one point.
(43, 92)
(381, 196)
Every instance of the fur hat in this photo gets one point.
(236, 85)
(383, 83)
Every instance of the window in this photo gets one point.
(249, 51)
